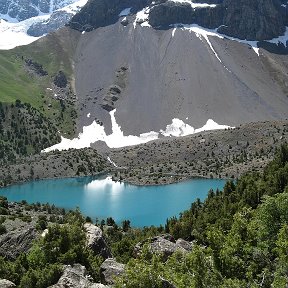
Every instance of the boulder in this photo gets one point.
(96, 241)
(13, 243)
(164, 245)
(124, 21)
(109, 269)
(75, 277)
(183, 245)
(6, 284)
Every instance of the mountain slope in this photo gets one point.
(173, 74)
(139, 75)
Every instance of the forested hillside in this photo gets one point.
(238, 237)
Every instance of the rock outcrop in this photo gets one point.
(252, 19)
(13, 243)
(183, 245)
(60, 80)
(164, 245)
(110, 269)
(96, 241)
(6, 284)
(35, 67)
(169, 13)
(99, 13)
(76, 277)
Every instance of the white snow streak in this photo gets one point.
(195, 5)
(112, 162)
(173, 32)
(95, 132)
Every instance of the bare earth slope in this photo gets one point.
(164, 74)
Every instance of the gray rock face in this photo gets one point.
(96, 241)
(16, 242)
(75, 277)
(168, 13)
(183, 245)
(99, 13)
(163, 245)
(252, 19)
(6, 284)
(110, 269)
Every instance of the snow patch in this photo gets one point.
(112, 162)
(88, 115)
(142, 18)
(281, 39)
(177, 128)
(14, 33)
(195, 5)
(95, 132)
(212, 125)
(125, 12)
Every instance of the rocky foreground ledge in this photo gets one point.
(23, 224)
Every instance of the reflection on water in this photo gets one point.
(101, 197)
(106, 184)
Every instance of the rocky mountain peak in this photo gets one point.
(23, 9)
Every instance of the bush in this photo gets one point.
(3, 229)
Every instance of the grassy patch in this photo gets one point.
(54, 52)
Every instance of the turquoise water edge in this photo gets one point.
(102, 198)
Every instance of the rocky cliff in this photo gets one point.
(100, 13)
(251, 20)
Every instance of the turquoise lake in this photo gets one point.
(102, 198)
